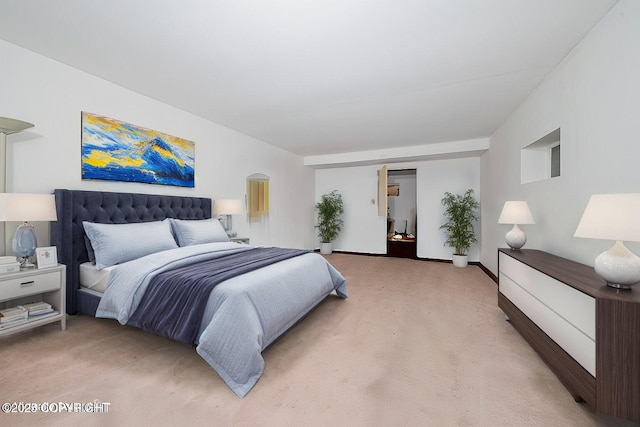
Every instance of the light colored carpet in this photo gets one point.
(416, 344)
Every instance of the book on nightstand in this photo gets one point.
(38, 309)
(42, 313)
(36, 305)
(13, 323)
(17, 315)
(10, 267)
(13, 314)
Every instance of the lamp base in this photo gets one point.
(228, 227)
(516, 238)
(618, 266)
(24, 245)
(619, 286)
(25, 264)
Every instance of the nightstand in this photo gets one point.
(47, 284)
(240, 240)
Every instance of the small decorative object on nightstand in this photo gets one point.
(40, 292)
(47, 257)
(240, 240)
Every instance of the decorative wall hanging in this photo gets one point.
(117, 151)
(257, 195)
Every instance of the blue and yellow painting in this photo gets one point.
(117, 151)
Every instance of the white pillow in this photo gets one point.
(196, 232)
(118, 243)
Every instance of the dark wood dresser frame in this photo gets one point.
(401, 248)
(615, 390)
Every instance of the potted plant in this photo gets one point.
(329, 209)
(461, 210)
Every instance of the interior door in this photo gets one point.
(382, 191)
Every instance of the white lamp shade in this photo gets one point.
(27, 207)
(516, 212)
(611, 217)
(227, 207)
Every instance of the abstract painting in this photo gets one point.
(117, 151)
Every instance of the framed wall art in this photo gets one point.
(113, 150)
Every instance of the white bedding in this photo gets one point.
(94, 279)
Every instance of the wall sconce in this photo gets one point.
(228, 207)
(26, 207)
(516, 212)
(614, 217)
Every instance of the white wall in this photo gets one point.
(434, 178)
(52, 95)
(594, 97)
(365, 232)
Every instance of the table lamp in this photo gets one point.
(614, 217)
(516, 212)
(26, 207)
(228, 207)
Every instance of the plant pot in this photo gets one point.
(460, 260)
(326, 248)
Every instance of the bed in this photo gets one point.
(229, 300)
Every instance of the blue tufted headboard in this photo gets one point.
(75, 206)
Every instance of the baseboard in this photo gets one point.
(476, 263)
(487, 272)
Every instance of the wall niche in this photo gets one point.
(540, 160)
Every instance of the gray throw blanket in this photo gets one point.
(175, 300)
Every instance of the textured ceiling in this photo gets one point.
(317, 77)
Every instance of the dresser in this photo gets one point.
(401, 248)
(587, 332)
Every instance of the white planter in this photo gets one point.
(326, 248)
(460, 260)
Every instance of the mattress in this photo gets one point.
(94, 279)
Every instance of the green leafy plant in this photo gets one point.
(461, 210)
(329, 209)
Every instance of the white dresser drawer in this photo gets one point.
(571, 318)
(12, 288)
(577, 308)
(580, 346)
